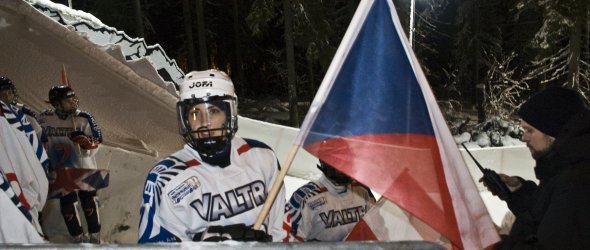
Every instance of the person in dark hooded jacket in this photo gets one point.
(555, 214)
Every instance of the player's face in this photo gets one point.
(537, 142)
(208, 119)
(69, 104)
(7, 96)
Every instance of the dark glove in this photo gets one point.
(51, 174)
(213, 234)
(86, 142)
(237, 232)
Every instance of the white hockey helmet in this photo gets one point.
(201, 84)
(211, 87)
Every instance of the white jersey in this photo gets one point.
(32, 116)
(14, 227)
(61, 150)
(20, 160)
(323, 211)
(183, 195)
(24, 119)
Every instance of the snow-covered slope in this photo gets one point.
(130, 101)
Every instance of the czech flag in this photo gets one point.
(376, 119)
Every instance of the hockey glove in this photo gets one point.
(212, 234)
(86, 142)
(237, 232)
(51, 174)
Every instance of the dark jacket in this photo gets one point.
(556, 213)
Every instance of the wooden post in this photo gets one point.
(272, 194)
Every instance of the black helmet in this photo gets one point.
(334, 175)
(58, 93)
(336, 151)
(6, 84)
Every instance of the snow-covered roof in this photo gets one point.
(133, 49)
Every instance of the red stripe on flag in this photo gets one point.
(404, 168)
(362, 231)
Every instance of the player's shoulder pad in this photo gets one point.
(85, 114)
(2, 108)
(308, 191)
(252, 144)
(256, 143)
(166, 169)
(171, 162)
(358, 186)
(29, 111)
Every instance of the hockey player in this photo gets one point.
(21, 158)
(9, 95)
(26, 116)
(8, 92)
(72, 138)
(214, 188)
(327, 209)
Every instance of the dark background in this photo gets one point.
(480, 57)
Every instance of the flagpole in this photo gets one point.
(65, 81)
(274, 191)
(412, 10)
(320, 97)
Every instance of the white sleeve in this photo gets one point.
(155, 206)
(296, 217)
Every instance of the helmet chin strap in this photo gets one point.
(221, 158)
(340, 180)
(335, 177)
(213, 149)
(63, 114)
(210, 146)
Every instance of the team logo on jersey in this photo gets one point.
(212, 207)
(57, 131)
(317, 202)
(184, 189)
(334, 218)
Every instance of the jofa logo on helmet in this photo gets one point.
(201, 84)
